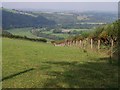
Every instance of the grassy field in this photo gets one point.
(29, 64)
(22, 32)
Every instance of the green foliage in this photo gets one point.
(108, 31)
(77, 38)
(57, 30)
(76, 32)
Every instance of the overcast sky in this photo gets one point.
(78, 6)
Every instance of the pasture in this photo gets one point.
(22, 32)
(29, 64)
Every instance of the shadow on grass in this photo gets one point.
(16, 74)
(82, 75)
(105, 58)
(110, 60)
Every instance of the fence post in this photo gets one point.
(80, 43)
(111, 51)
(98, 44)
(74, 43)
(77, 43)
(91, 43)
(112, 43)
(70, 43)
(84, 44)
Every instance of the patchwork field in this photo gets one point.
(29, 64)
(26, 32)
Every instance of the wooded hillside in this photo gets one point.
(16, 20)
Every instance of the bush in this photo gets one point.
(57, 31)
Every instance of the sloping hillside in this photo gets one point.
(14, 19)
(29, 64)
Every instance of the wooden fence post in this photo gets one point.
(111, 51)
(112, 44)
(70, 43)
(98, 44)
(87, 41)
(80, 43)
(91, 43)
(77, 43)
(84, 45)
(73, 43)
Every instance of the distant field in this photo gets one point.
(29, 64)
(80, 29)
(26, 32)
(48, 32)
(22, 32)
(56, 34)
(64, 35)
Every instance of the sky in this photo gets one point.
(77, 6)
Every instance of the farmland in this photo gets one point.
(27, 32)
(59, 48)
(29, 64)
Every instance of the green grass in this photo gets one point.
(22, 32)
(80, 29)
(54, 67)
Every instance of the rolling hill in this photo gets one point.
(14, 19)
